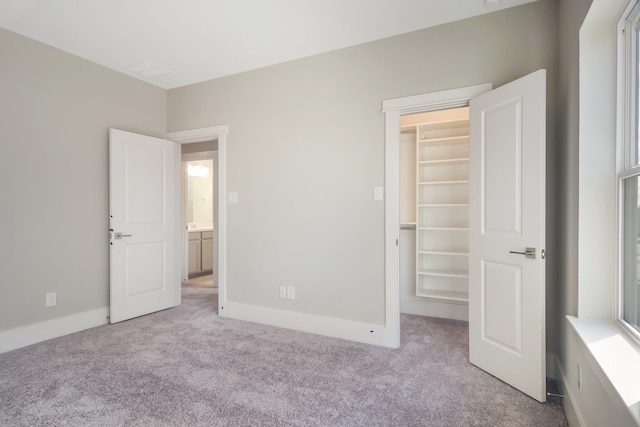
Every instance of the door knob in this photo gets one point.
(528, 253)
(119, 235)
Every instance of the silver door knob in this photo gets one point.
(528, 253)
(119, 235)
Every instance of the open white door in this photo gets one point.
(144, 173)
(507, 234)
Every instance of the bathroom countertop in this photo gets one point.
(200, 229)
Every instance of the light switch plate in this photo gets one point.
(378, 193)
(232, 197)
(50, 299)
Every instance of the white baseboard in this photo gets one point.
(23, 336)
(574, 417)
(434, 308)
(321, 325)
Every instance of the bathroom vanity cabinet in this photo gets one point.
(200, 251)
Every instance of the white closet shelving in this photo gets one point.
(442, 210)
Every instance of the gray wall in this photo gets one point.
(306, 146)
(55, 111)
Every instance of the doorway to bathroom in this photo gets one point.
(200, 173)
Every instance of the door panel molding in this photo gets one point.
(506, 330)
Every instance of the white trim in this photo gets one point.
(311, 323)
(442, 100)
(202, 135)
(393, 109)
(392, 223)
(198, 135)
(184, 241)
(42, 331)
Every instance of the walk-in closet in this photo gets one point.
(434, 213)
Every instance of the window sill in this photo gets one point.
(616, 356)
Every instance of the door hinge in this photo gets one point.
(396, 242)
(543, 253)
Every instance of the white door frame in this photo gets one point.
(393, 109)
(201, 135)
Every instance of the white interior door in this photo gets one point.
(507, 216)
(144, 226)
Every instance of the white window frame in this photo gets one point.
(627, 139)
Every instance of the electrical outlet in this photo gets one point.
(579, 376)
(50, 300)
(283, 291)
(291, 292)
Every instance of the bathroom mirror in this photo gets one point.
(200, 194)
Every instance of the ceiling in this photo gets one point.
(172, 43)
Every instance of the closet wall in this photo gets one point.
(434, 213)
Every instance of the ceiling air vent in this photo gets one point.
(147, 69)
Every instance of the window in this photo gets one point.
(629, 170)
